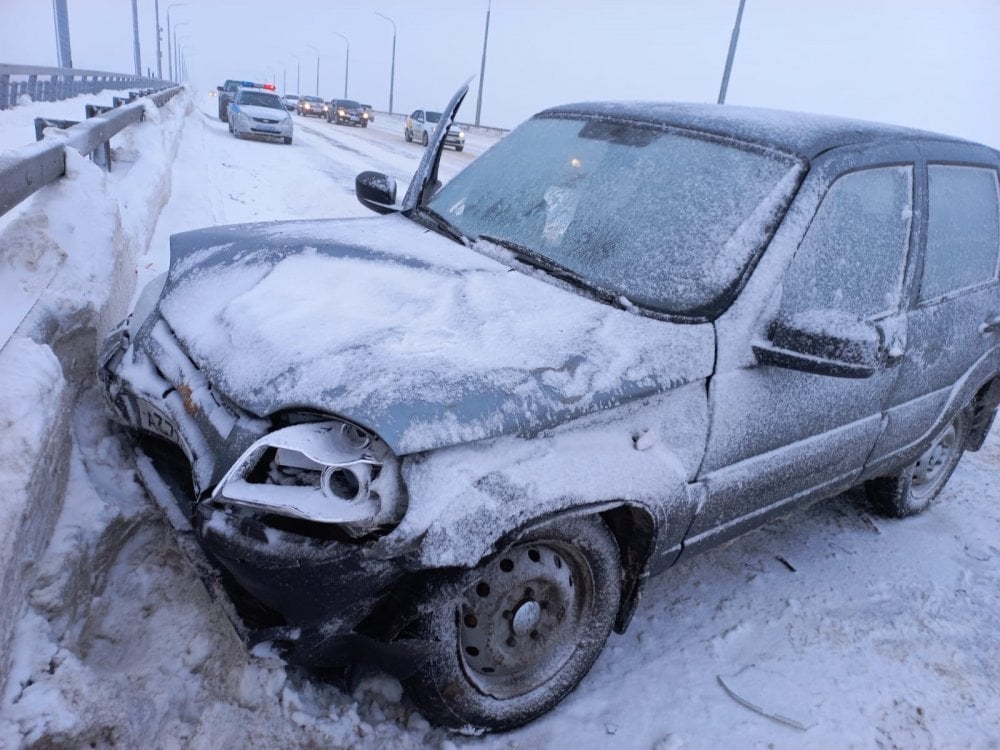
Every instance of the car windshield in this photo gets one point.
(671, 220)
(260, 99)
(312, 99)
(292, 97)
(433, 116)
(348, 104)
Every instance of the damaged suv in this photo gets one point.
(454, 440)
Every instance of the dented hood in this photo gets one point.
(422, 340)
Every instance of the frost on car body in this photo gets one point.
(454, 440)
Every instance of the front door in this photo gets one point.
(780, 434)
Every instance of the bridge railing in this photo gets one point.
(44, 84)
(25, 170)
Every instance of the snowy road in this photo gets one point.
(847, 630)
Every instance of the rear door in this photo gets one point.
(953, 322)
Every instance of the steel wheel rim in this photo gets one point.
(520, 621)
(932, 466)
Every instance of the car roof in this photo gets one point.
(799, 133)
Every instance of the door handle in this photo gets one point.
(991, 324)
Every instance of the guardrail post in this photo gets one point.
(32, 89)
(53, 89)
(4, 91)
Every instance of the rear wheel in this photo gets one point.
(915, 487)
(523, 629)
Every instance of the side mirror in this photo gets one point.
(218, 88)
(376, 191)
(823, 342)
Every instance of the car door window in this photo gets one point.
(853, 255)
(963, 229)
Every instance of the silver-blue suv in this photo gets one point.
(455, 439)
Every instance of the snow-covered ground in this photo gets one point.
(846, 630)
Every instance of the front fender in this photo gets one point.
(466, 499)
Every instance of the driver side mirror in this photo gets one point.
(376, 191)
(823, 342)
(218, 88)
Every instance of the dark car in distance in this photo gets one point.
(454, 440)
(311, 106)
(347, 111)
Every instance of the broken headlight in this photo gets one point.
(330, 472)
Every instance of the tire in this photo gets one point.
(364, 124)
(424, 139)
(407, 135)
(459, 148)
(913, 490)
(288, 141)
(522, 630)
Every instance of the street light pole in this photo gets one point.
(159, 54)
(347, 60)
(135, 37)
(731, 55)
(175, 73)
(317, 67)
(482, 67)
(178, 68)
(170, 61)
(392, 68)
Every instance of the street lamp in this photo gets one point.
(178, 49)
(732, 53)
(347, 59)
(175, 72)
(392, 68)
(298, 74)
(482, 67)
(159, 53)
(170, 61)
(317, 67)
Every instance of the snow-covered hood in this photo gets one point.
(264, 113)
(407, 333)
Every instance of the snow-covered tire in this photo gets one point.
(407, 135)
(522, 630)
(424, 139)
(912, 490)
(288, 141)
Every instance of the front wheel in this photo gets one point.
(523, 629)
(912, 490)
(424, 139)
(288, 141)
(407, 135)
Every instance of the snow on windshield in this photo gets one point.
(668, 220)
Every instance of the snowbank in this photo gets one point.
(73, 246)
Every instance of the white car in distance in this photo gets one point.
(259, 112)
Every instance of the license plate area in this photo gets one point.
(155, 421)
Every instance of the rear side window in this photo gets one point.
(963, 229)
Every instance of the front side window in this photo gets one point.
(963, 229)
(671, 220)
(853, 255)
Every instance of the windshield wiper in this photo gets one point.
(442, 226)
(555, 269)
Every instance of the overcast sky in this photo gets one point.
(933, 64)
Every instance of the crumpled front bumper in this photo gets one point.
(310, 586)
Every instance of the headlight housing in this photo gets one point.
(328, 472)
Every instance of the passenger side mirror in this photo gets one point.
(218, 88)
(824, 342)
(376, 191)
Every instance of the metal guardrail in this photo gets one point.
(54, 84)
(29, 168)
